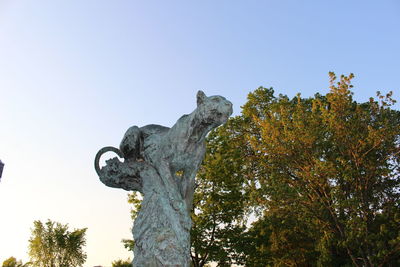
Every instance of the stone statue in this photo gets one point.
(161, 163)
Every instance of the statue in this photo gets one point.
(161, 163)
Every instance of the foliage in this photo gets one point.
(328, 176)
(122, 263)
(129, 244)
(135, 199)
(219, 203)
(12, 262)
(319, 175)
(53, 245)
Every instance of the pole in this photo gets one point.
(1, 168)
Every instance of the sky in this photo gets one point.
(75, 75)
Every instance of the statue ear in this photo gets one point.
(201, 96)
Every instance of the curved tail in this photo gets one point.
(101, 152)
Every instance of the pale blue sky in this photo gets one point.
(74, 75)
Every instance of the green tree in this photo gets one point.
(327, 176)
(53, 245)
(122, 263)
(321, 175)
(12, 262)
(219, 214)
(135, 199)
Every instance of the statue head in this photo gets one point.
(214, 110)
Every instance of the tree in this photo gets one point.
(135, 199)
(122, 263)
(328, 176)
(12, 262)
(321, 174)
(219, 214)
(53, 245)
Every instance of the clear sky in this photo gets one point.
(74, 75)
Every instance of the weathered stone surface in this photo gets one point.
(153, 155)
